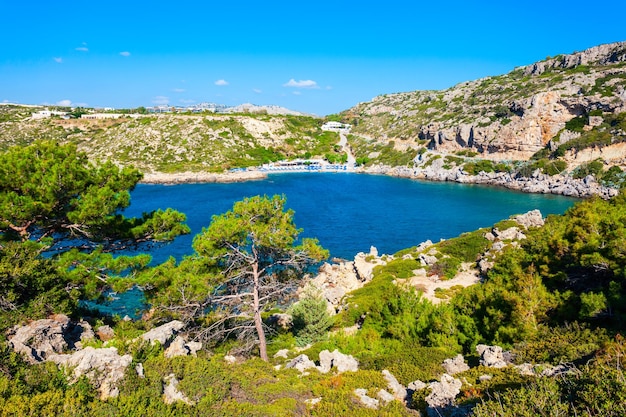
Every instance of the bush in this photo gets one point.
(311, 320)
(591, 168)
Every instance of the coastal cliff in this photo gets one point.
(510, 116)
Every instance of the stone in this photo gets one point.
(338, 360)
(455, 365)
(397, 389)
(139, 370)
(385, 396)
(103, 367)
(39, 339)
(527, 369)
(177, 348)
(366, 400)
(301, 363)
(442, 394)
(163, 334)
(416, 385)
(171, 394)
(283, 353)
(105, 332)
(532, 218)
(491, 356)
(230, 359)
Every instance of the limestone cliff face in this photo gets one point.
(514, 114)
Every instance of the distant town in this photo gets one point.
(111, 113)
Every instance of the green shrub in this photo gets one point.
(311, 320)
(591, 168)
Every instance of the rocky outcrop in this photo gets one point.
(334, 281)
(180, 347)
(339, 361)
(59, 340)
(301, 363)
(366, 400)
(171, 394)
(103, 367)
(39, 339)
(538, 183)
(163, 334)
(492, 356)
(398, 391)
(327, 361)
(455, 365)
(510, 117)
(442, 394)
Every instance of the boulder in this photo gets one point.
(366, 400)
(301, 363)
(103, 367)
(531, 219)
(179, 347)
(491, 356)
(105, 333)
(171, 394)
(455, 365)
(397, 389)
(163, 334)
(39, 339)
(337, 360)
(283, 353)
(442, 394)
(385, 396)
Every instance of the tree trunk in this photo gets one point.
(258, 322)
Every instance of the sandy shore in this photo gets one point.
(201, 177)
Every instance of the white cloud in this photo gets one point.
(257, 90)
(58, 60)
(178, 90)
(161, 100)
(64, 103)
(125, 53)
(82, 49)
(301, 84)
(297, 93)
(221, 82)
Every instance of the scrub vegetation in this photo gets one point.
(558, 297)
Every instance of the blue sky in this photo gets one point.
(318, 57)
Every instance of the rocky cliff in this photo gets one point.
(511, 116)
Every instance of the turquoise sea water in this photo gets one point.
(348, 213)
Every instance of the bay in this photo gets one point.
(348, 213)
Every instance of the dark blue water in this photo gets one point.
(348, 213)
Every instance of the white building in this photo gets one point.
(336, 126)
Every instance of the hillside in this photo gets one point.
(176, 142)
(508, 117)
(563, 118)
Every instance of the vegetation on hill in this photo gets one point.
(177, 142)
(559, 297)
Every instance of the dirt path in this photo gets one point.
(468, 276)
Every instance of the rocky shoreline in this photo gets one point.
(538, 183)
